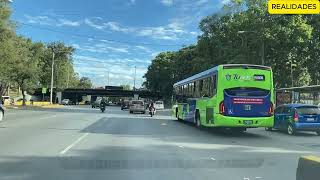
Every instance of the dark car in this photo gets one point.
(125, 105)
(1, 112)
(297, 117)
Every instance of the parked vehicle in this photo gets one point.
(66, 102)
(125, 105)
(159, 105)
(137, 106)
(297, 117)
(1, 112)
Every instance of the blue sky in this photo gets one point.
(113, 36)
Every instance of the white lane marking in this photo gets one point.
(258, 177)
(74, 143)
(246, 178)
(48, 117)
(181, 147)
(213, 159)
(163, 124)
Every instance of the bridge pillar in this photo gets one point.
(136, 96)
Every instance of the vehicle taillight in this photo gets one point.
(271, 109)
(222, 108)
(296, 116)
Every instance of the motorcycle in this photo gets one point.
(152, 111)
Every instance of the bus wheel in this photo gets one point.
(197, 118)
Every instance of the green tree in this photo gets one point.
(85, 83)
(287, 43)
(7, 49)
(126, 87)
(63, 67)
(24, 67)
(160, 75)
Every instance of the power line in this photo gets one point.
(97, 37)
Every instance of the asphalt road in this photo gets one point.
(83, 143)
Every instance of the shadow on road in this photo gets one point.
(117, 164)
(171, 129)
(298, 134)
(223, 132)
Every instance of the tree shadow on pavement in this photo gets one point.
(297, 134)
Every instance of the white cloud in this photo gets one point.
(116, 27)
(172, 31)
(145, 49)
(90, 22)
(161, 32)
(193, 33)
(225, 1)
(201, 2)
(167, 2)
(46, 20)
(66, 22)
(119, 71)
(43, 20)
(101, 48)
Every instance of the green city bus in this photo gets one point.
(236, 96)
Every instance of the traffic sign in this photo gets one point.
(44, 90)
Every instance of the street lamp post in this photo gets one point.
(51, 86)
(52, 71)
(134, 78)
(262, 45)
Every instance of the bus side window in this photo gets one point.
(214, 85)
(194, 90)
(205, 88)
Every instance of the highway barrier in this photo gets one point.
(308, 168)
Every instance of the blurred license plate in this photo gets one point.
(247, 122)
(310, 119)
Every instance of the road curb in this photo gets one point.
(34, 107)
(308, 168)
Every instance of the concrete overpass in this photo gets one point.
(77, 94)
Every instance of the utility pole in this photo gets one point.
(108, 78)
(51, 86)
(52, 73)
(262, 52)
(262, 45)
(134, 79)
(291, 65)
(68, 77)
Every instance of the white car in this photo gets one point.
(1, 112)
(159, 105)
(66, 102)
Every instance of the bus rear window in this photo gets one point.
(245, 92)
(312, 110)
